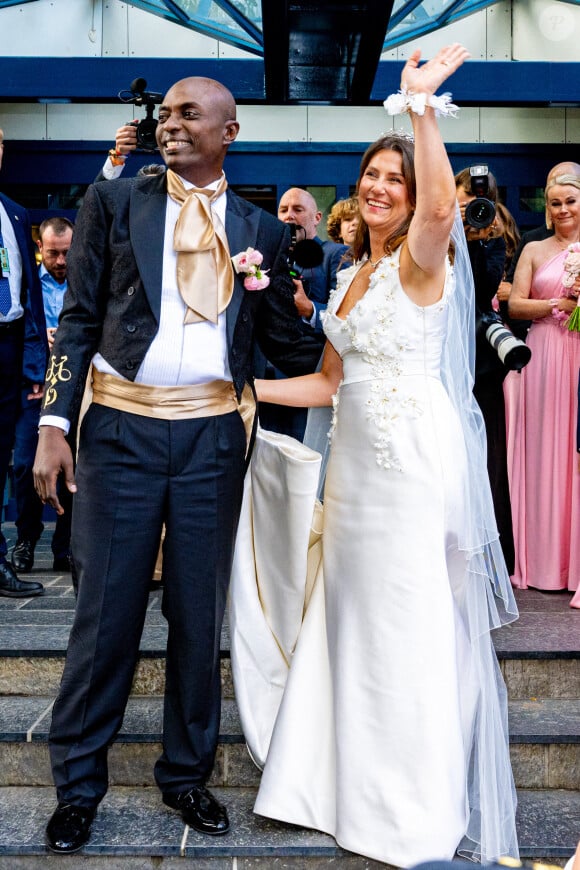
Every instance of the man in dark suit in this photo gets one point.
(23, 350)
(54, 240)
(298, 206)
(312, 288)
(154, 303)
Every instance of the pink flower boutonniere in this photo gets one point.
(249, 261)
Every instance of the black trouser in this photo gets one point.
(29, 508)
(11, 349)
(488, 391)
(134, 474)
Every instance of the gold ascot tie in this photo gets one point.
(205, 275)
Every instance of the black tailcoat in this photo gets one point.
(113, 302)
(136, 474)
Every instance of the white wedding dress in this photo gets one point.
(380, 727)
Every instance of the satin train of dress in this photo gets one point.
(277, 558)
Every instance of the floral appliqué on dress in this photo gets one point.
(383, 347)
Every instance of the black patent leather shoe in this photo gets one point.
(69, 828)
(200, 810)
(23, 556)
(12, 587)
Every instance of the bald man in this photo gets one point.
(154, 305)
(539, 233)
(298, 206)
(312, 288)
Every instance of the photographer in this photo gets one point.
(487, 256)
(313, 282)
(135, 134)
(125, 144)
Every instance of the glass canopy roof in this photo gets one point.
(239, 22)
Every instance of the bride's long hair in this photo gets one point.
(402, 144)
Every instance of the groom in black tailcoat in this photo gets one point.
(154, 303)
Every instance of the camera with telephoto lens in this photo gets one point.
(480, 212)
(513, 352)
(303, 253)
(146, 128)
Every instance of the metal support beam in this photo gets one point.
(322, 52)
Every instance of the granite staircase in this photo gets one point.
(133, 830)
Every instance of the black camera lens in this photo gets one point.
(512, 352)
(480, 213)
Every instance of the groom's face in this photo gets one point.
(196, 125)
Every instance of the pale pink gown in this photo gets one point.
(543, 464)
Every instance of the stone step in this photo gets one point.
(34, 635)
(539, 654)
(24, 759)
(133, 830)
(544, 738)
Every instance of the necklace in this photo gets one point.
(376, 263)
(563, 244)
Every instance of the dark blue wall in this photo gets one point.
(47, 169)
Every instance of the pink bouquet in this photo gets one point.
(249, 261)
(571, 273)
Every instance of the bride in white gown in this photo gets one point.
(392, 732)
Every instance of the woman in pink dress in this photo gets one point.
(544, 474)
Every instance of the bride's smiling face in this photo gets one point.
(382, 195)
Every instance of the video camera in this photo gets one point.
(303, 253)
(146, 128)
(480, 212)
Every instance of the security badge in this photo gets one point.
(4, 262)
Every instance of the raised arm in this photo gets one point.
(428, 238)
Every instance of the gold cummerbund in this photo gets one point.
(173, 403)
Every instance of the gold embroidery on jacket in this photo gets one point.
(55, 373)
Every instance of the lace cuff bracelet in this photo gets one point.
(407, 101)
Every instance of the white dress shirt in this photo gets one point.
(180, 354)
(111, 170)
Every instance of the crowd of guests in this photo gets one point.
(168, 418)
(531, 413)
(27, 331)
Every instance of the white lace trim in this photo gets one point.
(382, 348)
